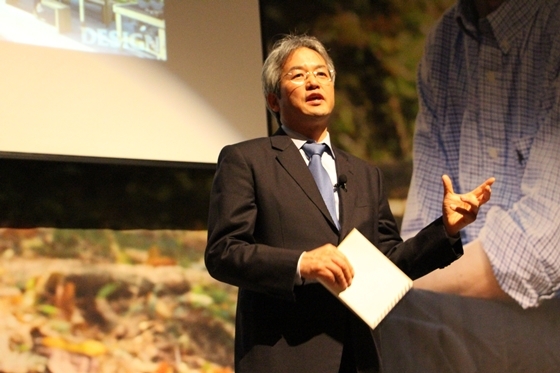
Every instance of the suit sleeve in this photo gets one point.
(428, 250)
(232, 254)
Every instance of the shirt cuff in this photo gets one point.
(298, 279)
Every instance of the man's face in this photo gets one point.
(306, 94)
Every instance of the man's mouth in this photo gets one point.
(314, 97)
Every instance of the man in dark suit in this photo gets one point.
(271, 234)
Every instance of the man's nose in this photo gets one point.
(311, 80)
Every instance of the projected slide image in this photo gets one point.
(141, 79)
(127, 27)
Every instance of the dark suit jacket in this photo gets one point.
(265, 210)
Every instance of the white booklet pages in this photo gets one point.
(378, 284)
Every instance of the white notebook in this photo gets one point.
(378, 284)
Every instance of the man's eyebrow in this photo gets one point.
(302, 68)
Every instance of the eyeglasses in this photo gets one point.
(322, 75)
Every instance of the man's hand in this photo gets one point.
(459, 210)
(328, 264)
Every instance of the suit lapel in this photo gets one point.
(291, 160)
(347, 195)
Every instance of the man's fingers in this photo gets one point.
(490, 181)
(447, 185)
(471, 199)
(328, 263)
(340, 270)
(346, 271)
(485, 186)
(487, 190)
(481, 193)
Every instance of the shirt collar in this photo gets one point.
(510, 21)
(299, 139)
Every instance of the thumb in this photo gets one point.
(447, 185)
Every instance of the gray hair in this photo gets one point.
(281, 50)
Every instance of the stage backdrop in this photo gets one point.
(112, 295)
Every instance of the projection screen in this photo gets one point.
(159, 80)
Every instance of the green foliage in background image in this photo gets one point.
(219, 300)
(376, 46)
(154, 247)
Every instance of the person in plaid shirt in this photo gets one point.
(489, 96)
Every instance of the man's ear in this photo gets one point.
(272, 101)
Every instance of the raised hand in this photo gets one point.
(459, 210)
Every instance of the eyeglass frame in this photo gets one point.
(308, 74)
